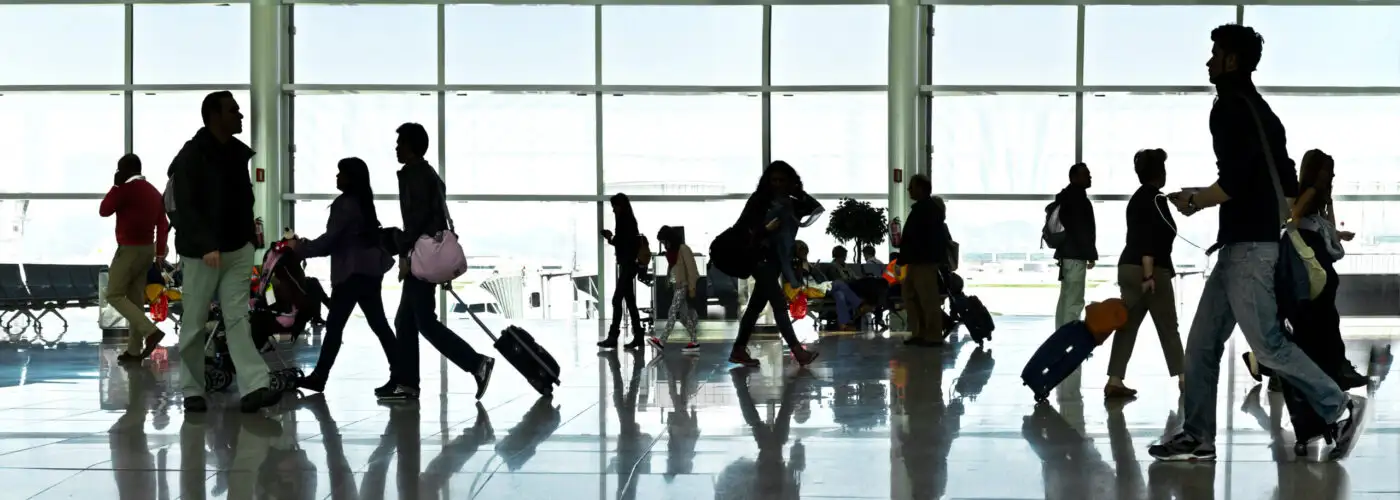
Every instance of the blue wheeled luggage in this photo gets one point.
(1057, 358)
(520, 349)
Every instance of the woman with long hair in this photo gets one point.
(1317, 325)
(626, 244)
(358, 263)
(684, 276)
(771, 218)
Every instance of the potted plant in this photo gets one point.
(859, 222)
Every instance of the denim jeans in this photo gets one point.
(846, 302)
(1240, 290)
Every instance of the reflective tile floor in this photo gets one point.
(871, 419)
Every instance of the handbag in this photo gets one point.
(1298, 276)
(439, 258)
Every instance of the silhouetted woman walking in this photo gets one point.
(626, 244)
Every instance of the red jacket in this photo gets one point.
(140, 213)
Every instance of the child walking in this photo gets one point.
(683, 278)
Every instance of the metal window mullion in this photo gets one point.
(1079, 82)
(129, 78)
(442, 162)
(1239, 15)
(288, 149)
(767, 81)
(599, 170)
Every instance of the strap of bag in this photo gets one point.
(1284, 213)
(445, 214)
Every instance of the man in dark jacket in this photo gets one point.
(423, 202)
(1249, 141)
(923, 248)
(214, 236)
(1076, 255)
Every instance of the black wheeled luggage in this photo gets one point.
(967, 310)
(520, 349)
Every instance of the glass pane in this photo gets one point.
(838, 142)
(1002, 143)
(1175, 39)
(162, 122)
(41, 155)
(521, 144)
(55, 232)
(531, 247)
(831, 45)
(1358, 131)
(310, 217)
(696, 144)
(1377, 228)
(388, 44)
(1117, 126)
(520, 44)
(682, 45)
(162, 52)
(1341, 45)
(1004, 45)
(62, 45)
(329, 128)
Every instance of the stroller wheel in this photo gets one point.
(216, 378)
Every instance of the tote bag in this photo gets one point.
(439, 258)
(1298, 276)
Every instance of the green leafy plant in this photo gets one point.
(858, 222)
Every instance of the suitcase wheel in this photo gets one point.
(1041, 397)
(1300, 448)
(544, 388)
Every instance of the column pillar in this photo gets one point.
(268, 36)
(903, 101)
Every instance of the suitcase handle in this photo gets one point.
(487, 329)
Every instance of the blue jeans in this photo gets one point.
(1240, 290)
(846, 302)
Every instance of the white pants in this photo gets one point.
(1069, 308)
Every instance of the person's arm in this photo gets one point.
(692, 272)
(343, 220)
(162, 233)
(426, 195)
(115, 199)
(1301, 204)
(197, 199)
(1162, 234)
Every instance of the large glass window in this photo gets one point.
(1328, 46)
(1004, 45)
(331, 127)
(163, 53)
(369, 44)
(521, 144)
(1377, 228)
(1150, 45)
(42, 154)
(55, 232)
(62, 45)
(682, 45)
(1116, 126)
(831, 45)
(1002, 143)
(1358, 131)
(162, 123)
(520, 44)
(838, 142)
(692, 144)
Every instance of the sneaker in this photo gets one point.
(1114, 391)
(608, 344)
(1182, 448)
(196, 404)
(657, 343)
(259, 399)
(400, 393)
(804, 357)
(152, 342)
(483, 376)
(743, 358)
(691, 348)
(635, 344)
(1252, 365)
(1348, 427)
(386, 389)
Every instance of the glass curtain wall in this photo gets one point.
(81, 85)
(1021, 92)
(537, 114)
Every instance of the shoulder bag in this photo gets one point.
(439, 258)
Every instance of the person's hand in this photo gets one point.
(120, 177)
(1149, 285)
(1182, 201)
(160, 258)
(1091, 264)
(1346, 235)
(606, 234)
(212, 259)
(403, 268)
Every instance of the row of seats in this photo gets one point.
(47, 288)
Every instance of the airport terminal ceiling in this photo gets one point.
(538, 112)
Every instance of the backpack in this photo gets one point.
(1053, 232)
(169, 197)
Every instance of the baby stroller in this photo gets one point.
(294, 307)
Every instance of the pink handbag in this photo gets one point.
(438, 259)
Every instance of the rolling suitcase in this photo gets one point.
(965, 310)
(521, 350)
(1057, 358)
